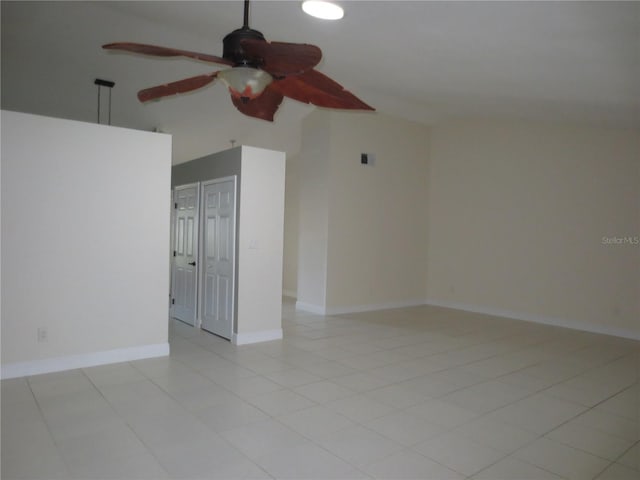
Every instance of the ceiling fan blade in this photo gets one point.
(164, 52)
(281, 59)
(173, 88)
(318, 89)
(263, 107)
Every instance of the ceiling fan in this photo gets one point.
(262, 73)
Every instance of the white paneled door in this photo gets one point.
(185, 254)
(219, 241)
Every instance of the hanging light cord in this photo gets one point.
(104, 83)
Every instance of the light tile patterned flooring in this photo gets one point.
(415, 393)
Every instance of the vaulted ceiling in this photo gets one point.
(424, 61)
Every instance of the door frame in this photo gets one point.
(234, 242)
(174, 217)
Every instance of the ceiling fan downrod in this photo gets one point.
(232, 50)
(246, 14)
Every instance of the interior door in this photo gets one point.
(185, 270)
(219, 252)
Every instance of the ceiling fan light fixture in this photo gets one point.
(262, 73)
(245, 82)
(323, 10)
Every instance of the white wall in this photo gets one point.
(313, 213)
(260, 245)
(85, 242)
(377, 228)
(362, 231)
(502, 217)
(517, 215)
(291, 225)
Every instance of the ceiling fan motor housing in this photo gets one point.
(232, 49)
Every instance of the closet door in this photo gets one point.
(185, 269)
(219, 253)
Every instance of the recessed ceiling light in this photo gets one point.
(324, 10)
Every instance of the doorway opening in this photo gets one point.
(203, 267)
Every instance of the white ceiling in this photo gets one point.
(424, 61)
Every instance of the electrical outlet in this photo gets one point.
(43, 335)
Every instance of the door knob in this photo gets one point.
(192, 263)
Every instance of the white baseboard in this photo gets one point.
(59, 364)
(373, 307)
(535, 318)
(320, 310)
(256, 337)
(310, 307)
(290, 293)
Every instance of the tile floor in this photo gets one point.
(415, 393)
